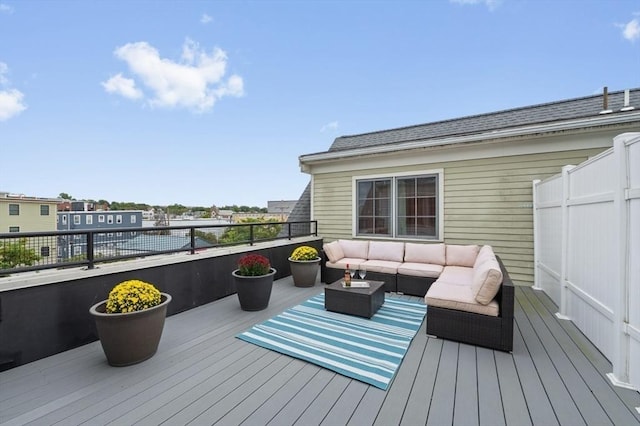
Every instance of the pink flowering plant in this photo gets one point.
(131, 296)
(253, 265)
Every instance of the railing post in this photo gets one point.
(251, 234)
(192, 234)
(90, 250)
(564, 261)
(289, 229)
(621, 344)
(536, 237)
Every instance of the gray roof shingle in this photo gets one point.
(588, 106)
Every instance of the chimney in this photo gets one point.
(626, 106)
(605, 101)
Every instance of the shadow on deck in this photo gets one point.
(202, 374)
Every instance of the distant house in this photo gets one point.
(143, 244)
(461, 181)
(113, 223)
(21, 213)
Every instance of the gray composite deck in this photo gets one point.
(203, 375)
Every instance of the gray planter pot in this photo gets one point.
(131, 337)
(304, 272)
(254, 292)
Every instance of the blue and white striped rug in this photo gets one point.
(369, 350)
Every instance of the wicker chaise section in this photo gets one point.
(477, 329)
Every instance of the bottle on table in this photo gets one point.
(347, 277)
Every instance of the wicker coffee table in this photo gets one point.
(363, 302)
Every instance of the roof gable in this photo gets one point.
(589, 106)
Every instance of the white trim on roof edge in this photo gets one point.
(605, 120)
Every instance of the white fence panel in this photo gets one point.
(633, 196)
(548, 236)
(591, 254)
(587, 251)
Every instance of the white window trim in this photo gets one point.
(354, 203)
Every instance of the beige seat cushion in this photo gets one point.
(457, 275)
(333, 250)
(461, 255)
(386, 250)
(457, 297)
(487, 279)
(428, 270)
(424, 253)
(383, 266)
(355, 249)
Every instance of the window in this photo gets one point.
(44, 251)
(101, 218)
(401, 206)
(119, 218)
(89, 219)
(133, 219)
(76, 219)
(14, 229)
(77, 250)
(14, 209)
(44, 210)
(110, 219)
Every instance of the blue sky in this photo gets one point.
(212, 102)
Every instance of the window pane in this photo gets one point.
(382, 207)
(373, 207)
(426, 206)
(406, 188)
(365, 225)
(417, 206)
(44, 251)
(14, 209)
(382, 189)
(14, 229)
(426, 186)
(44, 210)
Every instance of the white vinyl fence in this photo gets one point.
(587, 251)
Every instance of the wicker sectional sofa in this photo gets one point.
(468, 291)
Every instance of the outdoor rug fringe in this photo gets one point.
(369, 350)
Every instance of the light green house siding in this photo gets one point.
(486, 201)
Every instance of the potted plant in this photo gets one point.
(130, 322)
(254, 280)
(304, 262)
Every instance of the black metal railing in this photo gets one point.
(33, 251)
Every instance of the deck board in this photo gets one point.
(202, 374)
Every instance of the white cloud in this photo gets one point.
(631, 30)
(205, 19)
(329, 126)
(122, 86)
(5, 8)
(11, 100)
(11, 103)
(491, 4)
(196, 82)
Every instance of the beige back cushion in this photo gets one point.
(462, 255)
(333, 251)
(424, 253)
(485, 253)
(487, 278)
(354, 249)
(386, 250)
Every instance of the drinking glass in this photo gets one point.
(352, 272)
(362, 273)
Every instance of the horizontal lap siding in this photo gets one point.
(486, 201)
